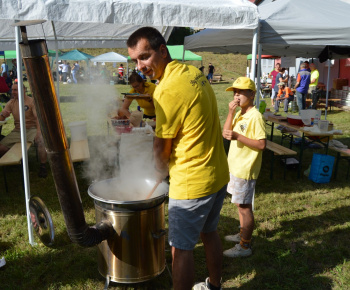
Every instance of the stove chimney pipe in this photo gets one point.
(36, 61)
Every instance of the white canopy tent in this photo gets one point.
(113, 57)
(287, 28)
(78, 15)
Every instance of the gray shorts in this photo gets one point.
(242, 190)
(188, 218)
(15, 137)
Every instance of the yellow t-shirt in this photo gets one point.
(245, 162)
(187, 112)
(314, 75)
(147, 106)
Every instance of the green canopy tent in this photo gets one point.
(176, 52)
(11, 54)
(75, 55)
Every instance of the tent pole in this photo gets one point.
(23, 136)
(253, 61)
(57, 75)
(127, 72)
(258, 85)
(327, 92)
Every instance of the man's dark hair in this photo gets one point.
(154, 37)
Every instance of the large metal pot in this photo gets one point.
(136, 252)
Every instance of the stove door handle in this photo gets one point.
(159, 234)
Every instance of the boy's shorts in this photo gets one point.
(189, 217)
(242, 190)
(15, 137)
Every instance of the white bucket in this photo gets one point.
(78, 130)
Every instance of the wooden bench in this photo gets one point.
(278, 150)
(342, 153)
(12, 157)
(217, 78)
(79, 150)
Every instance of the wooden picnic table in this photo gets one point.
(319, 137)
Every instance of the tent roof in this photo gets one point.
(114, 22)
(176, 52)
(110, 57)
(75, 55)
(287, 28)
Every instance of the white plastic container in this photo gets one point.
(78, 130)
(323, 125)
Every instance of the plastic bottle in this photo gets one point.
(262, 106)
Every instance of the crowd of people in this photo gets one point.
(188, 146)
(306, 85)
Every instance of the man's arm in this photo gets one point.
(162, 151)
(298, 82)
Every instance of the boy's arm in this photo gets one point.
(227, 129)
(254, 144)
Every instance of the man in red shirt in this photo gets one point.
(285, 94)
(273, 76)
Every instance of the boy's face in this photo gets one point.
(244, 98)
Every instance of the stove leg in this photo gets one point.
(107, 283)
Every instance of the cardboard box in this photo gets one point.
(339, 83)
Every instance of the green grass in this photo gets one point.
(301, 239)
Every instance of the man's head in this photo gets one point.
(277, 66)
(303, 65)
(312, 66)
(281, 85)
(147, 48)
(14, 91)
(306, 64)
(243, 91)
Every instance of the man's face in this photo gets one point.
(150, 62)
(15, 91)
(312, 66)
(277, 66)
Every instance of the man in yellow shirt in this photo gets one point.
(189, 145)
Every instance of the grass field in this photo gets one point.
(301, 240)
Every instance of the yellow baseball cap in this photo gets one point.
(242, 83)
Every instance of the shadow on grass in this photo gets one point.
(294, 256)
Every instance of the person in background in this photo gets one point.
(13, 73)
(4, 68)
(75, 70)
(8, 80)
(285, 75)
(279, 79)
(246, 130)
(307, 66)
(139, 85)
(273, 75)
(188, 145)
(286, 95)
(211, 70)
(32, 126)
(302, 86)
(313, 85)
(60, 65)
(313, 78)
(65, 71)
(121, 71)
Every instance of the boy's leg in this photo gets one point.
(247, 221)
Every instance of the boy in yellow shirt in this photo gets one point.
(246, 130)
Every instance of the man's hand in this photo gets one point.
(5, 113)
(229, 134)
